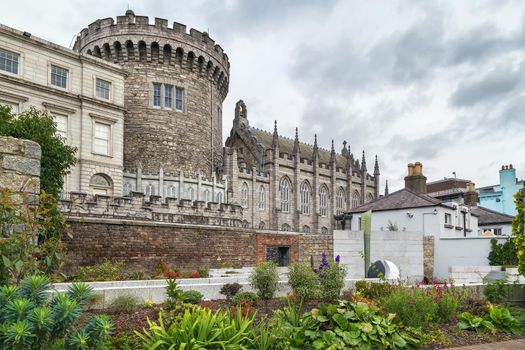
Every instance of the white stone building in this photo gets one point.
(83, 93)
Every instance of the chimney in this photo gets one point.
(471, 197)
(415, 180)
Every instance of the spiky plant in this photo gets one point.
(30, 318)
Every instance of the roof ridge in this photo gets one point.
(494, 211)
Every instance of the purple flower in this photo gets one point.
(337, 259)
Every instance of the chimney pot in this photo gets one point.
(410, 169)
(415, 180)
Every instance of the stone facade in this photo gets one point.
(428, 257)
(159, 132)
(20, 165)
(142, 244)
(75, 105)
(319, 184)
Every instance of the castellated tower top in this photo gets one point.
(175, 86)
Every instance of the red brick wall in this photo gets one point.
(142, 245)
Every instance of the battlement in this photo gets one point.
(137, 206)
(133, 38)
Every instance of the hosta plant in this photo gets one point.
(30, 319)
(503, 320)
(475, 323)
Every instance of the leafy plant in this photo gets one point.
(475, 323)
(304, 281)
(518, 229)
(192, 296)
(39, 126)
(502, 253)
(105, 271)
(374, 290)
(28, 241)
(501, 318)
(332, 281)
(199, 328)
(339, 326)
(203, 272)
(124, 303)
(230, 290)
(244, 298)
(148, 303)
(392, 226)
(264, 279)
(496, 292)
(29, 320)
(173, 294)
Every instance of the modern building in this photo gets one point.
(500, 197)
(411, 209)
(449, 189)
(143, 104)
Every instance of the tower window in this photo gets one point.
(168, 96)
(156, 95)
(179, 98)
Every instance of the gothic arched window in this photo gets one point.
(219, 198)
(262, 198)
(340, 201)
(244, 195)
(324, 231)
(171, 192)
(306, 229)
(285, 227)
(369, 197)
(305, 198)
(285, 195)
(356, 199)
(126, 190)
(149, 190)
(261, 225)
(206, 196)
(323, 201)
(191, 194)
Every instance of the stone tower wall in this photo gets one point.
(190, 139)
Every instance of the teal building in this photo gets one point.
(501, 197)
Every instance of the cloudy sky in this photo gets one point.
(439, 82)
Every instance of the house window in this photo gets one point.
(156, 95)
(168, 96)
(448, 219)
(262, 198)
(219, 198)
(179, 96)
(61, 122)
(100, 184)
(244, 195)
(103, 88)
(9, 61)
(305, 198)
(323, 201)
(340, 201)
(497, 231)
(356, 198)
(306, 229)
(59, 76)
(285, 195)
(101, 138)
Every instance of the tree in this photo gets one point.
(39, 126)
(518, 230)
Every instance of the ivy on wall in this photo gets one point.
(518, 230)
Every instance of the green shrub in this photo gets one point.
(475, 323)
(374, 290)
(411, 306)
(30, 320)
(304, 281)
(249, 298)
(192, 296)
(502, 253)
(125, 303)
(502, 319)
(264, 279)
(203, 272)
(199, 328)
(173, 294)
(496, 292)
(332, 281)
(230, 290)
(338, 326)
(123, 341)
(106, 271)
(447, 307)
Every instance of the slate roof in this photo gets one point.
(490, 217)
(402, 199)
(286, 146)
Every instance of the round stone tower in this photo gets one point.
(173, 93)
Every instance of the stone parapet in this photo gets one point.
(136, 207)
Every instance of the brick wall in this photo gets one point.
(142, 244)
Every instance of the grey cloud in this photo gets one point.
(492, 85)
